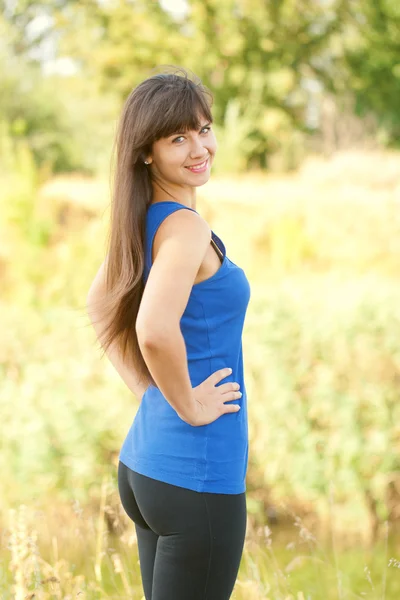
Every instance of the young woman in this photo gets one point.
(169, 307)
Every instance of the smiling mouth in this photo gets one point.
(198, 167)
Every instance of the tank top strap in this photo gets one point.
(156, 213)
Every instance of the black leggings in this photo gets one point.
(190, 543)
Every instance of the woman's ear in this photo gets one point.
(146, 159)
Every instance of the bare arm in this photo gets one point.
(125, 370)
(167, 361)
(183, 239)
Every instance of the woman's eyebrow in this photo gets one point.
(181, 132)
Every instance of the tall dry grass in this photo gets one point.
(47, 555)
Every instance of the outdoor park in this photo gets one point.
(305, 194)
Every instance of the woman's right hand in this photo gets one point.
(210, 399)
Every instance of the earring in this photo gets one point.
(146, 162)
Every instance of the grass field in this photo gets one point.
(321, 248)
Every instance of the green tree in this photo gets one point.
(253, 55)
(373, 60)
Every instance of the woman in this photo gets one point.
(182, 467)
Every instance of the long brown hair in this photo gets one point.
(158, 107)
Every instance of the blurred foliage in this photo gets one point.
(94, 563)
(320, 339)
(270, 65)
(60, 120)
(374, 62)
(321, 245)
(323, 368)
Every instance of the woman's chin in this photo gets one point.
(200, 179)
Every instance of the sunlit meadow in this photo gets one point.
(321, 248)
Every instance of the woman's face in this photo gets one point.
(184, 158)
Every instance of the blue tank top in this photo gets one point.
(159, 444)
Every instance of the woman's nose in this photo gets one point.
(198, 150)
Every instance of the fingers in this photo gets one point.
(231, 386)
(231, 396)
(231, 408)
(222, 374)
(228, 391)
(219, 375)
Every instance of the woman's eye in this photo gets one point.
(207, 128)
